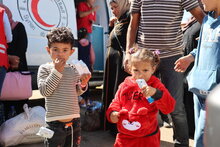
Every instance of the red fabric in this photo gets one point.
(85, 22)
(3, 42)
(138, 118)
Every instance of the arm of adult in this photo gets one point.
(13, 61)
(132, 30)
(198, 13)
(7, 28)
(183, 63)
(131, 36)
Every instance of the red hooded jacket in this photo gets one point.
(138, 118)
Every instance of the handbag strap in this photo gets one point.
(26, 72)
(118, 41)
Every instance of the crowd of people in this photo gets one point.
(146, 42)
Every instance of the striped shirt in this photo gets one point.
(159, 27)
(60, 90)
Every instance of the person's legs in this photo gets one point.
(173, 81)
(2, 77)
(200, 114)
(166, 120)
(2, 114)
(110, 78)
(76, 132)
(59, 136)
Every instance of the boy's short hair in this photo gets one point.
(60, 35)
(82, 32)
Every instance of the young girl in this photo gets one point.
(135, 116)
(85, 50)
(204, 75)
(87, 55)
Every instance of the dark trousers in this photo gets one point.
(189, 39)
(63, 134)
(173, 81)
(2, 77)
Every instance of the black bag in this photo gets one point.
(92, 120)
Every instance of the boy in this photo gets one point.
(204, 75)
(60, 84)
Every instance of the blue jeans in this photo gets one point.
(63, 135)
(200, 116)
(173, 81)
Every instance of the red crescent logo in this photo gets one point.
(34, 8)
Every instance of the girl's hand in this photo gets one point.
(85, 78)
(59, 64)
(148, 91)
(114, 116)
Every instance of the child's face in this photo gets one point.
(142, 70)
(60, 51)
(210, 5)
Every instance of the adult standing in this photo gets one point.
(156, 24)
(5, 37)
(114, 73)
(18, 48)
(86, 15)
(204, 75)
(191, 32)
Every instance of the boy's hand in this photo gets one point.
(148, 91)
(114, 116)
(59, 64)
(85, 78)
(183, 63)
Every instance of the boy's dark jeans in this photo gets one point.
(63, 135)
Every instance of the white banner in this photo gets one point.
(38, 17)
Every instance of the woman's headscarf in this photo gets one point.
(124, 5)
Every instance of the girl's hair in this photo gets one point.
(60, 35)
(82, 32)
(145, 55)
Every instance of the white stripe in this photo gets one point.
(3, 46)
(2, 51)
